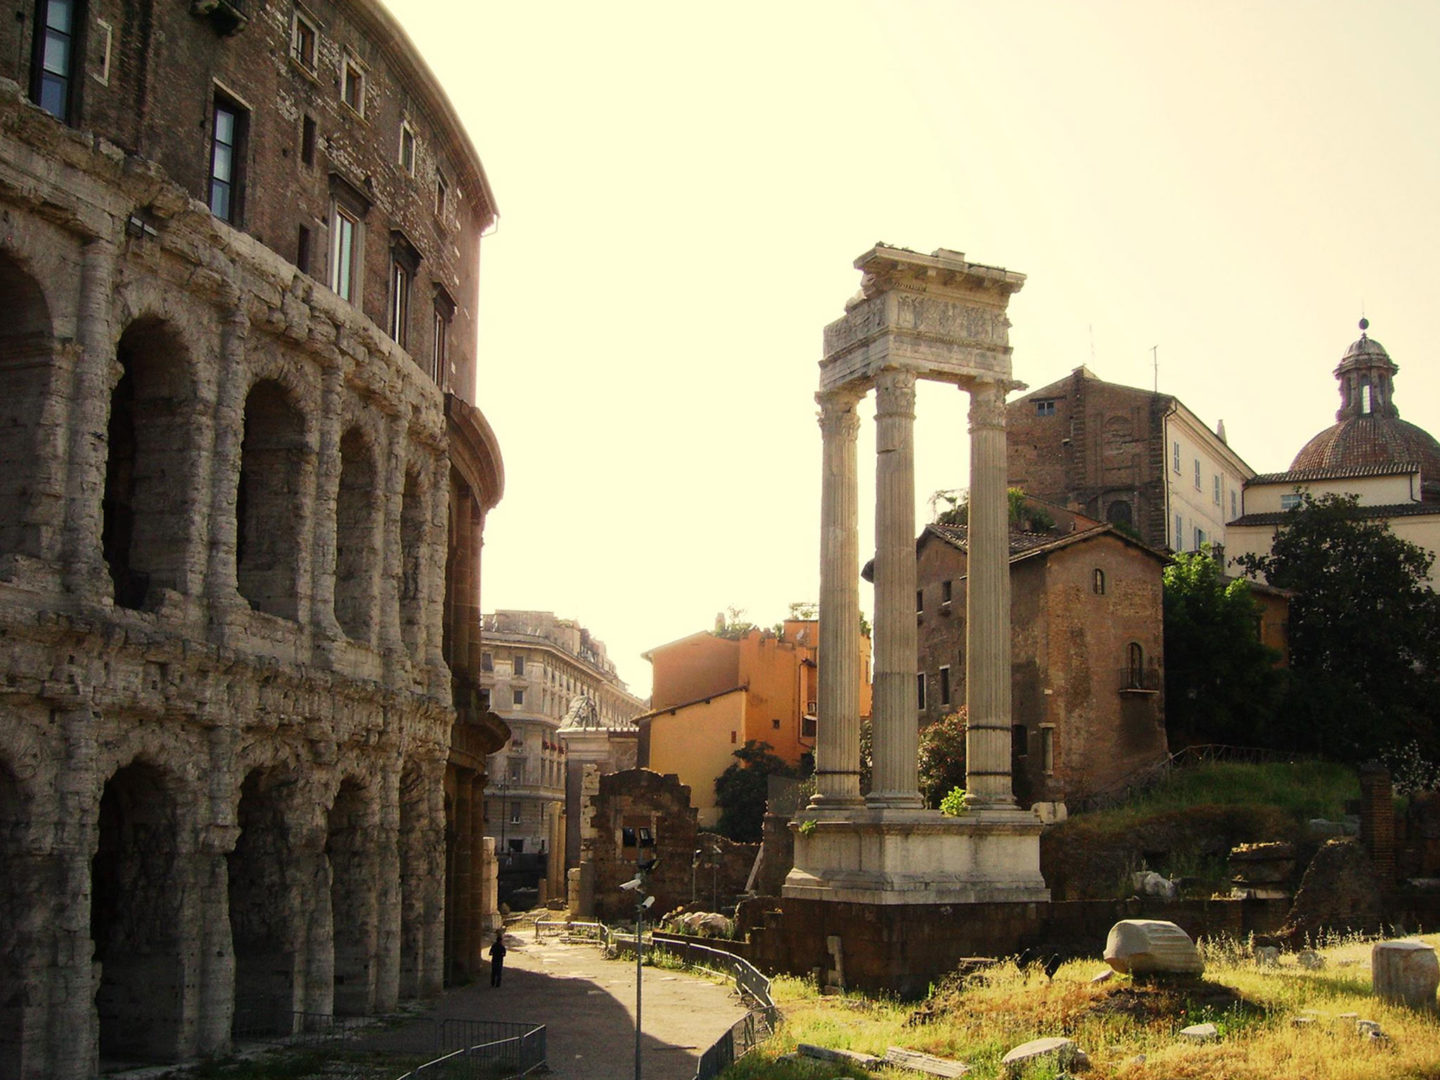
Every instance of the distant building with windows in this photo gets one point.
(712, 694)
(1139, 460)
(533, 668)
(1392, 466)
(243, 483)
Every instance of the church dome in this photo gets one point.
(1368, 431)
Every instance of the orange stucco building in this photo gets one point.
(710, 695)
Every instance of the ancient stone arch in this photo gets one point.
(136, 909)
(350, 846)
(274, 466)
(357, 537)
(150, 504)
(27, 374)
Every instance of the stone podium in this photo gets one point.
(941, 318)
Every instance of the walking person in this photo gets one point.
(497, 958)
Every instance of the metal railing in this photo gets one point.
(745, 1034)
(570, 929)
(495, 1059)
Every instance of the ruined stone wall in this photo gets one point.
(225, 709)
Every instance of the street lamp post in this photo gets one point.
(637, 885)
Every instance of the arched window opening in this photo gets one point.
(268, 504)
(26, 346)
(353, 910)
(412, 543)
(264, 942)
(1119, 513)
(356, 538)
(1099, 582)
(135, 914)
(1365, 400)
(1135, 667)
(147, 506)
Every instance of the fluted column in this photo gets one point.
(896, 709)
(837, 739)
(987, 604)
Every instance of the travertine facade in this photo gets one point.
(226, 705)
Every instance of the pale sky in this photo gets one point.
(683, 189)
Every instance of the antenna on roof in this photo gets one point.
(1155, 365)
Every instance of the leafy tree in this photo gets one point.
(1221, 683)
(1364, 630)
(942, 756)
(1024, 515)
(740, 790)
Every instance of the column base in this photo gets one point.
(884, 856)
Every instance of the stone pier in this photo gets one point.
(941, 318)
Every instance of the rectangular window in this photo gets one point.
(1175, 456)
(487, 661)
(440, 342)
(1045, 408)
(945, 592)
(227, 159)
(302, 41)
(517, 664)
(517, 697)
(1289, 502)
(307, 141)
(302, 251)
(919, 601)
(352, 86)
(56, 56)
(399, 302)
(1047, 748)
(344, 252)
(485, 700)
(1233, 512)
(944, 686)
(1197, 474)
(441, 191)
(514, 820)
(1179, 534)
(1216, 492)
(920, 688)
(1199, 539)
(407, 148)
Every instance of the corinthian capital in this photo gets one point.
(838, 418)
(987, 404)
(895, 393)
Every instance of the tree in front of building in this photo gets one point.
(1364, 631)
(1221, 683)
(942, 757)
(740, 791)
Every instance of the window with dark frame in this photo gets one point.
(344, 252)
(944, 686)
(442, 190)
(404, 262)
(302, 41)
(57, 56)
(440, 341)
(946, 592)
(517, 697)
(352, 86)
(1045, 407)
(1099, 582)
(302, 251)
(920, 688)
(227, 158)
(407, 147)
(307, 140)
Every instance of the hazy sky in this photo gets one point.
(684, 187)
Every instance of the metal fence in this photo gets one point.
(517, 1054)
(744, 1035)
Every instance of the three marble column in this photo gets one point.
(895, 780)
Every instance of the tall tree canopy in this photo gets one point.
(740, 790)
(1364, 630)
(1221, 684)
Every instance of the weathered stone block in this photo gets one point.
(1405, 972)
(1151, 946)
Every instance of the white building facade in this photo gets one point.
(533, 666)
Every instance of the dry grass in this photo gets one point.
(1129, 1029)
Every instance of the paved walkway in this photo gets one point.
(588, 1006)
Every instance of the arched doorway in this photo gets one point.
(135, 918)
(260, 907)
(26, 344)
(349, 846)
(147, 503)
(268, 504)
(15, 912)
(356, 536)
